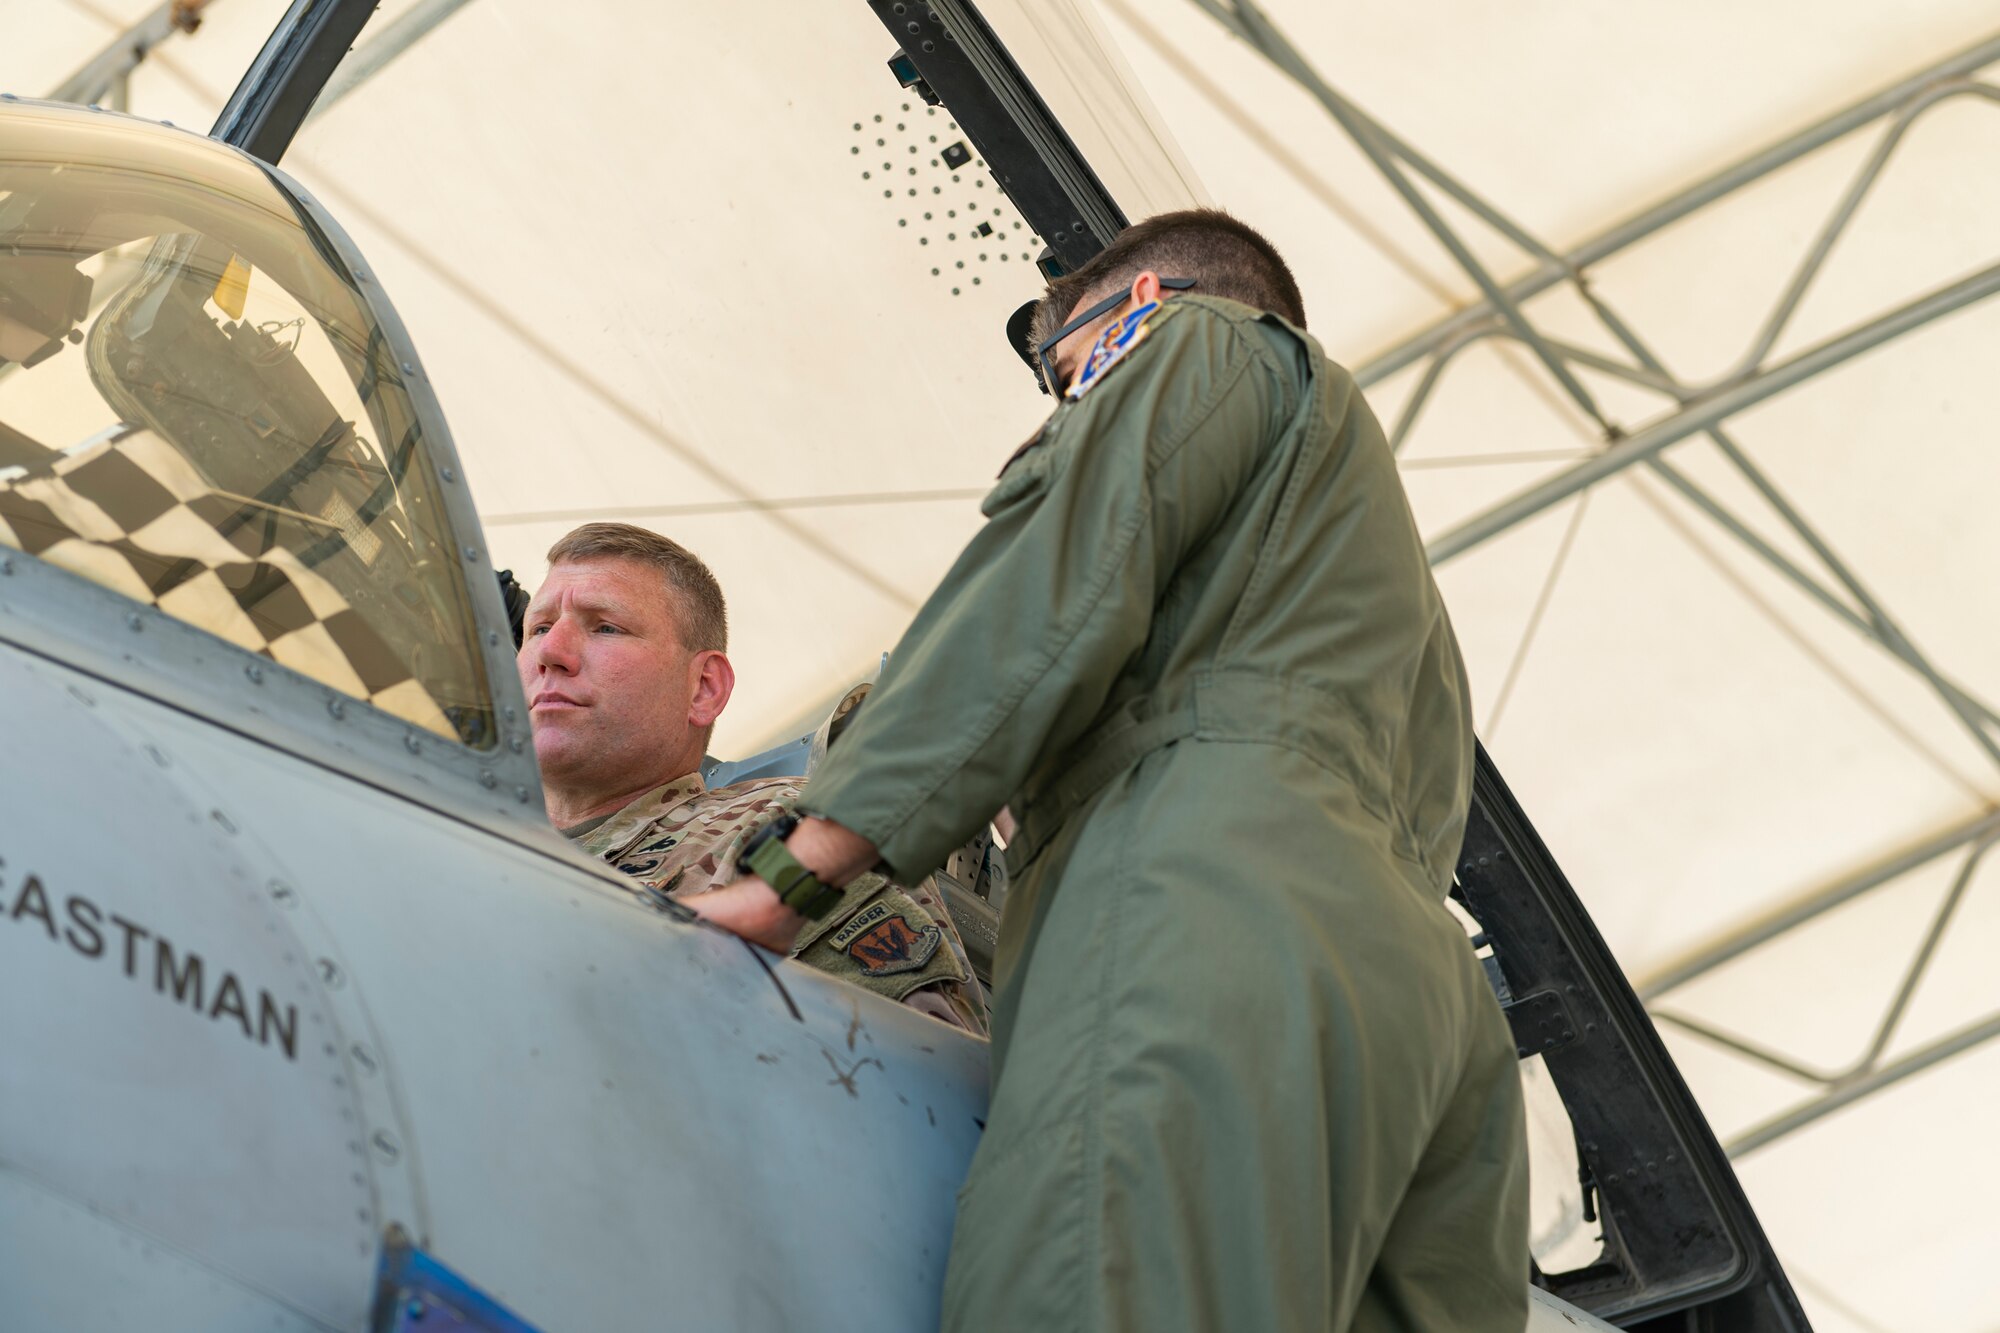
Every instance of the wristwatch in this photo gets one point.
(766, 857)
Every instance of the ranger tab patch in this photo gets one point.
(884, 942)
(1113, 345)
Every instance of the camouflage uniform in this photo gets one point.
(683, 840)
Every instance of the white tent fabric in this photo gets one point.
(694, 266)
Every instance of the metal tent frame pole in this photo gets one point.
(1656, 217)
(1703, 410)
(108, 73)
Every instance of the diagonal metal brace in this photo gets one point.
(1712, 409)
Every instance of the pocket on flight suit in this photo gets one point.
(884, 942)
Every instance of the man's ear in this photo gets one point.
(1145, 289)
(714, 682)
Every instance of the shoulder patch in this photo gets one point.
(884, 942)
(1116, 343)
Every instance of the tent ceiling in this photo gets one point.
(650, 280)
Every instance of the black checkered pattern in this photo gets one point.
(136, 517)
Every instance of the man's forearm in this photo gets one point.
(833, 852)
(751, 908)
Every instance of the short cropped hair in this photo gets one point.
(1225, 257)
(702, 616)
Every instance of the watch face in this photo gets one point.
(776, 831)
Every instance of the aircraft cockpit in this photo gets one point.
(200, 410)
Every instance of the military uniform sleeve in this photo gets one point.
(1011, 659)
(898, 942)
(894, 940)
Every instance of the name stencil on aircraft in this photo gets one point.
(179, 975)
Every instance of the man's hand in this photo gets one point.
(751, 908)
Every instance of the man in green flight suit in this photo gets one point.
(1247, 1072)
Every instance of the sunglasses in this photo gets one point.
(1044, 364)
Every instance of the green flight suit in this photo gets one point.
(1247, 1071)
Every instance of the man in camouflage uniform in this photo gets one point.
(623, 665)
(1247, 1071)
(683, 839)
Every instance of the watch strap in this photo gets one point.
(798, 888)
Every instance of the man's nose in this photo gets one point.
(558, 649)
